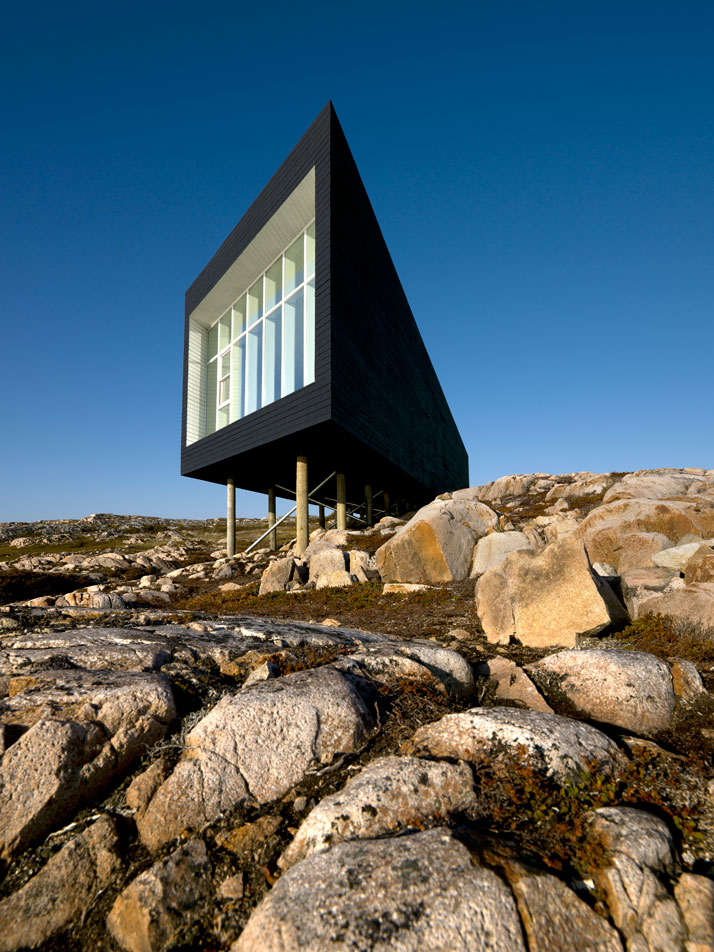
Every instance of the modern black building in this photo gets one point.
(299, 343)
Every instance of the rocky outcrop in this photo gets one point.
(362, 565)
(639, 853)
(690, 604)
(686, 681)
(511, 684)
(327, 561)
(391, 795)
(254, 746)
(551, 598)
(340, 578)
(117, 649)
(677, 557)
(386, 894)
(700, 567)
(640, 585)
(376, 791)
(555, 919)
(508, 487)
(104, 725)
(63, 889)
(557, 746)
(432, 664)
(665, 484)
(630, 689)
(695, 898)
(612, 532)
(149, 915)
(277, 576)
(437, 544)
(492, 549)
(582, 486)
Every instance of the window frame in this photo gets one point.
(250, 327)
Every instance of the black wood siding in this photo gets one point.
(376, 410)
(384, 388)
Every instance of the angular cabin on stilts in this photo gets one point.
(305, 375)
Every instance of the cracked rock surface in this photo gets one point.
(256, 745)
(186, 764)
(557, 745)
(387, 894)
(630, 689)
(390, 795)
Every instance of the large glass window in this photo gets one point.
(294, 265)
(310, 331)
(254, 370)
(239, 317)
(238, 380)
(211, 396)
(255, 302)
(273, 354)
(263, 347)
(274, 284)
(294, 342)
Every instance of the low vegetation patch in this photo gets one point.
(431, 613)
(17, 585)
(585, 503)
(668, 637)
(691, 732)
(88, 545)
(523, 508)
(368, 541)
(544, 820)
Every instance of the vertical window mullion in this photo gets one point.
(304, 308)
(205, 391)
(241, 382)
(282, 333)
(262, 335)
(218, 387)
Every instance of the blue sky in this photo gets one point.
(542, 174)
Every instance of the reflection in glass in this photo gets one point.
(294, 272)
(211, 384)
(239, 317)
(273, 339)
(273, 362)
(254, 370)
(238, 380)
(224, 331)
(224, 383)
(294, 337)
(255, 302)
(310, 251)
(213, 341)
(274, 284)
(310, 333)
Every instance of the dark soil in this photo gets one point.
(17, 585)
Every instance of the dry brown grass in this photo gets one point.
(543, 820)
(667, 637)
(417, 614)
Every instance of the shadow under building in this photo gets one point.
(305, 375)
